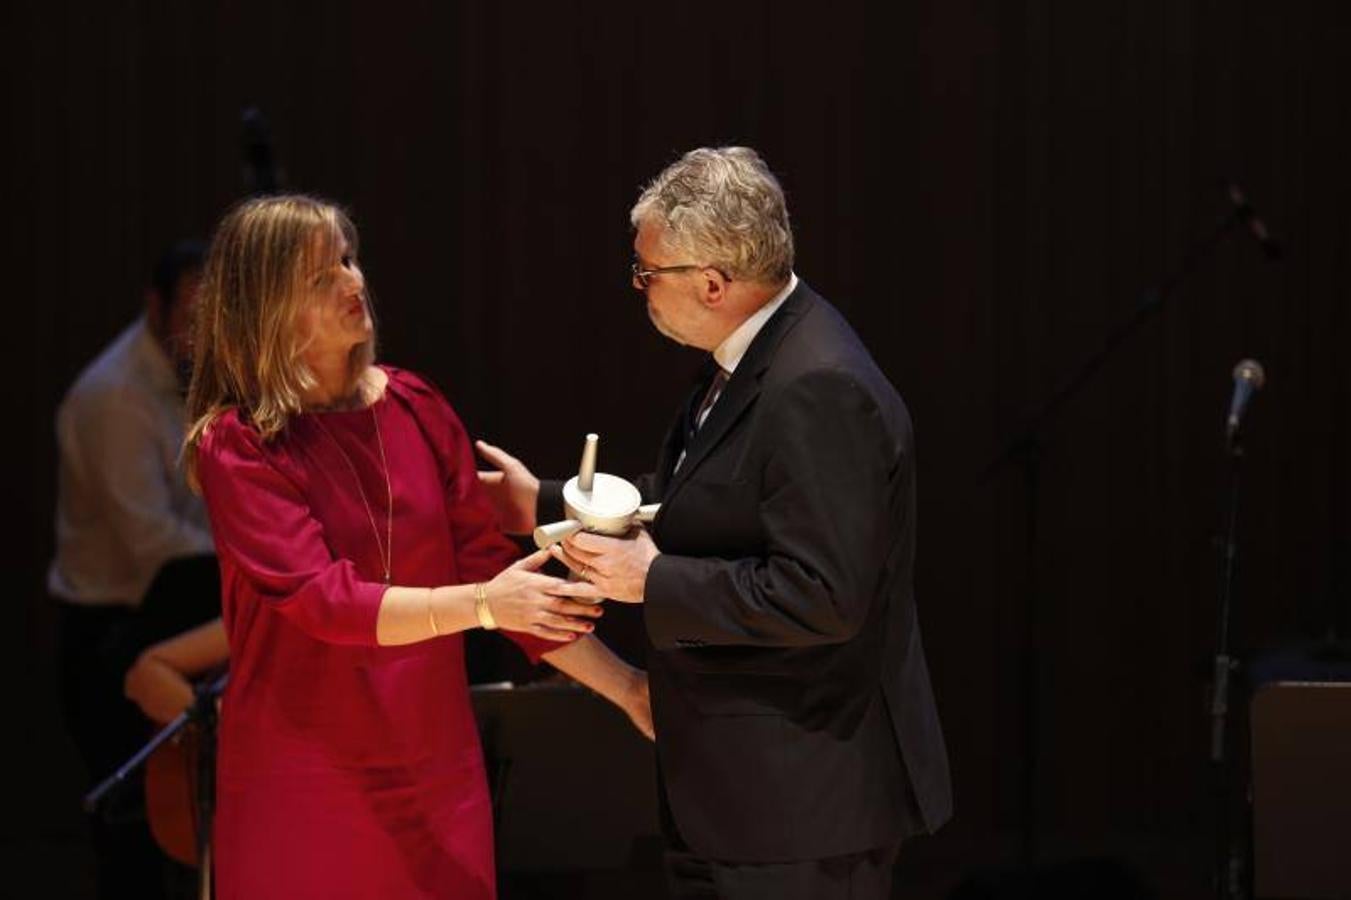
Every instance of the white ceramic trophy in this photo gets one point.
(596, 502)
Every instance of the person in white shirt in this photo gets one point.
(125, 518)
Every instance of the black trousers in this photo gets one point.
(107, 728)
(855, 876)
(97, 646)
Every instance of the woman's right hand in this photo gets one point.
(522, 599)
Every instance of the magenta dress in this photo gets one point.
(347, 769)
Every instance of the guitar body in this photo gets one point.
(171, 796)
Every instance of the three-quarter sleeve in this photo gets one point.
(265, 529)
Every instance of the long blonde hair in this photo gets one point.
(246, 352)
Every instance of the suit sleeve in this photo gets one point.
(262, 522)
(825, 515)
(549, 504)
(647, 487)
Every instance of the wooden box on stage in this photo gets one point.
(1301, 780)
(573, 782)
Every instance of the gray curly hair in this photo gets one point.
(726, 209)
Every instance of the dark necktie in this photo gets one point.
(700, 412)
(697, 414)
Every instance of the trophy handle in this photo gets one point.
(548, 535)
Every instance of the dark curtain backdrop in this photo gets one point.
(985, 188)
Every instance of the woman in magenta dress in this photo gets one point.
(355, 547)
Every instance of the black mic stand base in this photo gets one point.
(202, 714)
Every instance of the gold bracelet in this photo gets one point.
(431, 615)
(481, 609)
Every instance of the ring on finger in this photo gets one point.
(585, 573)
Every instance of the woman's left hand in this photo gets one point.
(513, 490)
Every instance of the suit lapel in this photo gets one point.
(675, 434)
(742, 388)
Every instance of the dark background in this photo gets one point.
(984, 188)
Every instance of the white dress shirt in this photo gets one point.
(728, 354)
(123, 505)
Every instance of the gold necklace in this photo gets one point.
(387, 548)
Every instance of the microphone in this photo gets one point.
(1248, 379)
(261, 175)
(1247, 214)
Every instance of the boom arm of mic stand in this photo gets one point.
(191, 714)
(92, 799)
(1025, 448)
(1151, 300)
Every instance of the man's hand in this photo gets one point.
(513, 491)
(618, 566)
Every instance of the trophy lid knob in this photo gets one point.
(586, 472)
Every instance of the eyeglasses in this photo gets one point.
(643, 277)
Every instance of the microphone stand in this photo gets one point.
(1025, 448)
(1229, 868)
(201, 713)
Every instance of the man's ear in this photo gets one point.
(713, 288)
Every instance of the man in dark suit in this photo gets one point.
(797, 735)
